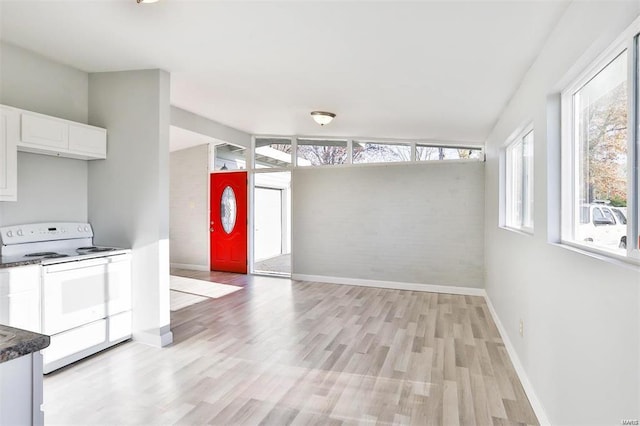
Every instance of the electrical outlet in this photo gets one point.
(521, 327)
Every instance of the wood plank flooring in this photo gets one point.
(282, 352)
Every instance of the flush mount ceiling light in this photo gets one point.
(322, 117)
(146, 1)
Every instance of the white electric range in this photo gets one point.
(85, 290)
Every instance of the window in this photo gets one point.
(430, 152)
(278, 152)
(600, 154)
(273, 153)
(312, 152)
(519, 182)
(369, 152)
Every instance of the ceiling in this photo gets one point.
(436, 70)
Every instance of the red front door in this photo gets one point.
(228, 222)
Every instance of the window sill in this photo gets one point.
(602, 255)
(522, 231)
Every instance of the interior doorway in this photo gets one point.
(272, 223)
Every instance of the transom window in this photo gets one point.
(285, 152)
(435, 152)
(372, 152)
(314, 152)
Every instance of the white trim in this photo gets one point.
(394, 285)
(389, 163)
(535, 402)
(190, 266)
(624, 44)
(160, 338)
(435, 142)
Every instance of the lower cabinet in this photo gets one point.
(21, 391)
(20, 297)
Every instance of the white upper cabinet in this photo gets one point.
(42, 134)
(9, 134)
(44, 131)
(89, 140)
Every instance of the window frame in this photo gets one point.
(432, 145)
(519, 138)
(413, 144)
(627, 43)
(339, 141)
(357, 141)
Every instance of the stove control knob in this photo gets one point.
(63, 230)
(9, 234)
(79, 228)
(86, 229)
(19, 232)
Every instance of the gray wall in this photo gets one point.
(581, 340)
(413, 223)
(196, 123)
(189, 214)
(49, 188)
(129, 191)
(35, 83)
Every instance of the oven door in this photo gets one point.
(77, 293)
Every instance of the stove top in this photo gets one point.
(46, 255)
(50, 243)
(94, 249)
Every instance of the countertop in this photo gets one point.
(10, 262)
(15, 342)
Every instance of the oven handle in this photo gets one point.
(87, 263)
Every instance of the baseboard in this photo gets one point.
(520, 371)
(191, 267)
(394, 285)
(159, 339)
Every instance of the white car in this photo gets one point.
(603, 225)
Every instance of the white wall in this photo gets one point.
(189, 214)
(580, 348)
(409, 223)
(204, 126)
(129, 192)
(49, 188)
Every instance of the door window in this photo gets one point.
(228, 209)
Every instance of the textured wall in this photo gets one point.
(189, 229)
(413, 223)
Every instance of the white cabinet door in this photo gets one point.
(20, 297)
(9, 133)
(119, 287)
(88, 140)
(44, 131)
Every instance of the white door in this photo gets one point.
(268, 223)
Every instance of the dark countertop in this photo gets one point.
(10, 262)
(15, 343)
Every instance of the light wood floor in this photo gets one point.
(282, 352)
